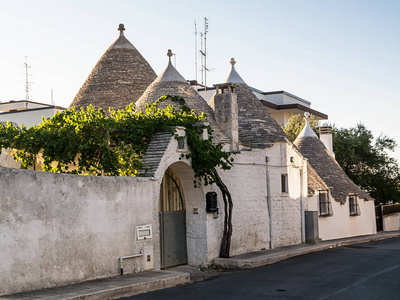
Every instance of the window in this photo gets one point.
(353, 204)
(325, 207)
(181, 143)
(284, 183)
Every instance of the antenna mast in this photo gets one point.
(195, 50)
(202, 58)
(27, 85)
(205, 56)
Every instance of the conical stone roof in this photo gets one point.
(257, 128)
(119, 78)
(170, 82)
(325, 165)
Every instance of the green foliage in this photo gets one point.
(296, 124)
(367, 163)
(87, 142)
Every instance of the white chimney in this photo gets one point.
(325, 135)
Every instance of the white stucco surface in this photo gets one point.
(58, 229)
(391, 222)
(341, 224)
(29, 117)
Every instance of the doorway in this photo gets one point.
(172, 214)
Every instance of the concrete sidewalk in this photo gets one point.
(133, 284)
(270, 256)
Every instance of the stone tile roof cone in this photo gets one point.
(170, 73)
(233, 76)
(325, 165)
(119, 78)
(257, 128)
(170, 82)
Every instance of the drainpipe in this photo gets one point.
(271, 234)
(120, 263)
(303, 229)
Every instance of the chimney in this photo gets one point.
(325, 134)
(226, 112)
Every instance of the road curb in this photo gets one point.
(262, 258)
(112, 288)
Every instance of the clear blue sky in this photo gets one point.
(343, 56)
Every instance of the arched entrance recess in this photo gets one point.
(172, 214)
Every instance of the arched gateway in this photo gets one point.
(172, 215)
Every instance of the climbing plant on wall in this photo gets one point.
(88, 142)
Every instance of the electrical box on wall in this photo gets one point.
(211, 202)
(144, 232)
(148, 258)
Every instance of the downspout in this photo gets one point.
(303, 229)
(120, 263)
(271, 234)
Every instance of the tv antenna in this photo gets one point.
(203, 53)
(27, 84)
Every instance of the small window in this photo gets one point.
(325, 207)
(181, 144)
(284, 183)
(353, 204)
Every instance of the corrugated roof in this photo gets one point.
(170, 82)
(119, 78)
(327, 168)
(257, 128)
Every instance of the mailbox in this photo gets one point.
(211, 202)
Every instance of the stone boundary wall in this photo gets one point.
(58, 229)
(391, 222)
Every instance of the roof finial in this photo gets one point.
(169, 54)
(121, 28)
(232, 61)
(307, 116)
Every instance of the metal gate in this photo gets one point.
(172, 221)
(379, 217)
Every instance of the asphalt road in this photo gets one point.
(362, 271)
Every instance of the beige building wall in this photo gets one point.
(341, 224)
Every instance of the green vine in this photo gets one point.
(87, 142)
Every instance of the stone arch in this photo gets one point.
(196, 217)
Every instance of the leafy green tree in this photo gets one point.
(366, 162)
(89, 143)
(296, 123)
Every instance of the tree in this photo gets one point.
(296, 123)
(89, 143)
(366, 162)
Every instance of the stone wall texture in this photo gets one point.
(58, 229)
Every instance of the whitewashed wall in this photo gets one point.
(58, 229)
(247, 184)
(391, 222)
(287, 213)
